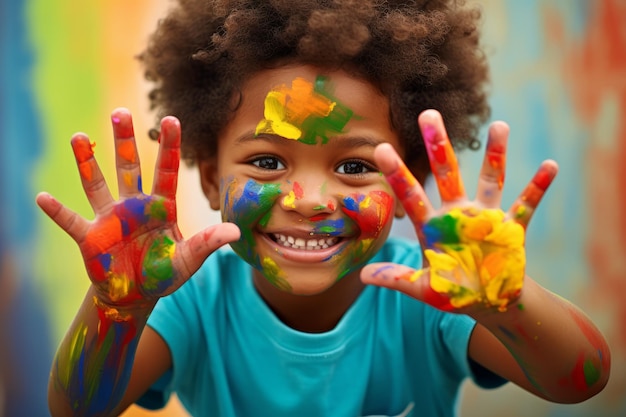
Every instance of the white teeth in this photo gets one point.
(308, 244)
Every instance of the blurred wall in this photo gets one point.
(559, 80)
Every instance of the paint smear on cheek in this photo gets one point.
(303, 112)
(370, 212)
(476, 257)
(248, 207)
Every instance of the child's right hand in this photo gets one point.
(133, 250)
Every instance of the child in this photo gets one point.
(291, 111)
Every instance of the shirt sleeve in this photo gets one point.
(456, 331)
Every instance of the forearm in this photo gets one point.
(92, 366)
(562, 355)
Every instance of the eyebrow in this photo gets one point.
(345, 142)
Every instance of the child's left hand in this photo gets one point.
(475, 257)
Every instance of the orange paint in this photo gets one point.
(126, 149)
(105, 233)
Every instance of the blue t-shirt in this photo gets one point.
(389, 355)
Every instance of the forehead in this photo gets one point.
(309, 87)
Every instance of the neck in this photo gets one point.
(311, 313)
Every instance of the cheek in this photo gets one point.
(247, 204)
(371, 212)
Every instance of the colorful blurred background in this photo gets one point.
(559, 80)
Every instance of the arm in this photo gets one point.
(134, 254)
(475, 265)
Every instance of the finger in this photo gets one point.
(166, 171)
(525, 205)
(73, 224)
(405, 186)
(491, 178)
(92, 179)
(126, 156)
(414, 283)
(197, 248)
(443, 162)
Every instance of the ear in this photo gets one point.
(210, 181)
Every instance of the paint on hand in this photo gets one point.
(304, 112)
(158, 267)
(83, 151)
(444, 165)
(476, 257)
(126, 150)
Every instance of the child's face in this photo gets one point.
(295, 171)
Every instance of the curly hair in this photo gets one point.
(420, 54)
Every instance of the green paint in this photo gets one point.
(157, 210)
(592, 374)
(442, 230)
(157, 265)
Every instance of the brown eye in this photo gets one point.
(355, 168)
(268, 162)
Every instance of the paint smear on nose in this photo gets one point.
(304, 112)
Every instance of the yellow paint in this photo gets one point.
(290, 200)
(286, 109)
(486, 266)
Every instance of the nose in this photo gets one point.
(309, 200)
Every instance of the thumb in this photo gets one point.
(205, 242)
(412, 282)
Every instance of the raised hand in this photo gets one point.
(133, 250)
(475, 257)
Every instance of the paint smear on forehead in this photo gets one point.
(304, 112)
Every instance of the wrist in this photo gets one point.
(120, 312)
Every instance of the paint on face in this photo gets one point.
(304, 112)
(476, 257)
(371, 213)
(246, 207)
(295, 194)
(274, 275)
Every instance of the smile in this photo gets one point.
(304, 244)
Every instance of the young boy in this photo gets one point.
(292, 110)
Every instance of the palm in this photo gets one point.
(133, 250)
(474, 251)
(140, 232)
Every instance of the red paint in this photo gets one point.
(439, 154)
(330, 205)
(373, 217)
(83, 149)
(104, 233)
(578, 374)
(543, 179)
(297, 190)
(318, 217)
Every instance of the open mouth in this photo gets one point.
(316, 243)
